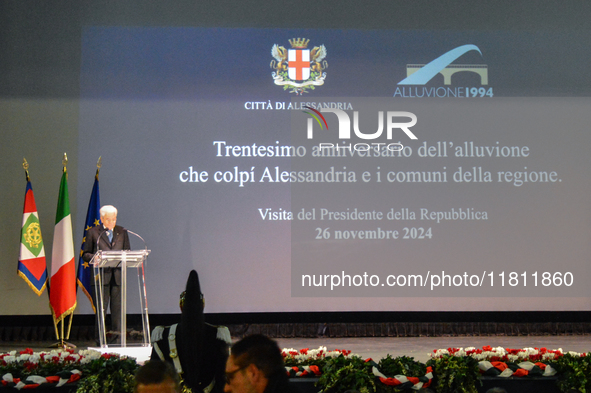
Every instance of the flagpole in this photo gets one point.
(99, 163)
(26, 168)
(57, 333)
(70, 329)
(63, 313)
(64, 163)
(85, 276)
(67, 337)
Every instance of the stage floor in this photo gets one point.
(378, 347)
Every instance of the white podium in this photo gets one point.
(126, 259)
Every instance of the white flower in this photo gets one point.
(439, 353)
(479, 356)
(89, 355)
(500, 351)
(512, 358)
(530, 351)
(75, 356)
(50, 356)
(23, 358)
(10, 359)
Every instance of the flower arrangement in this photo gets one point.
(507, 362)
(89, 369)
(309, 362)
(500, 354)
(306, 356)
(340, 370)
(448, 370)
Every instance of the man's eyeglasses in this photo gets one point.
(230, 375)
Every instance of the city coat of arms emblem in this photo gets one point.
(299, 68)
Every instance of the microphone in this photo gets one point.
(97, 241)
(135, 234)
(99, 238)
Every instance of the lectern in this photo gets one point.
(126, 259)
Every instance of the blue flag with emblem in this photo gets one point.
(93, 218)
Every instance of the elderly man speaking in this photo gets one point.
(108, 236)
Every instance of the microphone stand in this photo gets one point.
(143, 295)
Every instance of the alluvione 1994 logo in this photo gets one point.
(417, 76)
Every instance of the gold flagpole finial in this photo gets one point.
(99, 163)
(65, 160)
(26, 167)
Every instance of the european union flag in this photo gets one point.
(93, 218)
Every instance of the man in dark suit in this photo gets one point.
(256, 366)
(108, 237)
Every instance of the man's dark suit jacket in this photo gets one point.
(120, 242)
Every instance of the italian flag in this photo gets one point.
(62, 296)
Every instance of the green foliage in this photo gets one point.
(574, 372)
(106, 375)
(341, 373)
(403, 365)
(454, 374)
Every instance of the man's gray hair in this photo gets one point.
(108, 209)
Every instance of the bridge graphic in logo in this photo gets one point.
(420, 74)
